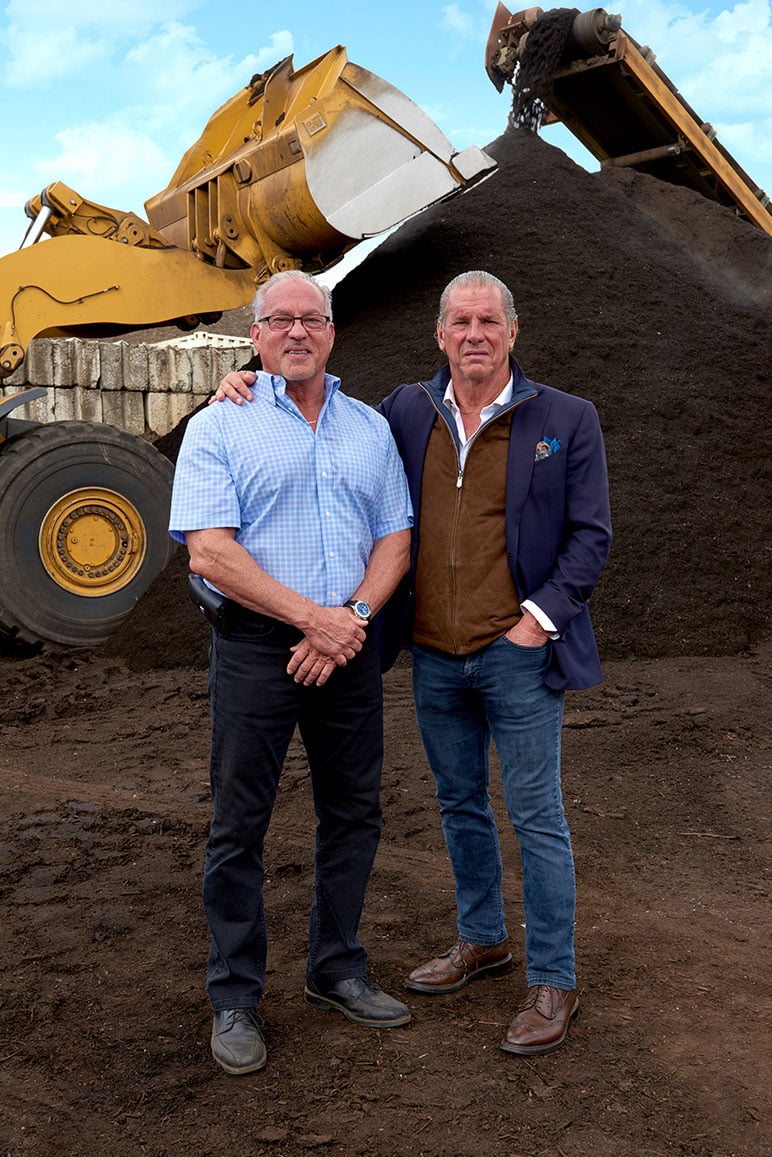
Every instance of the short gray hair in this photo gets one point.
(258, 301)
(478, 277)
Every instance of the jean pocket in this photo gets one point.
(537, 650)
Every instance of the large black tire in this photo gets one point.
(83, 530)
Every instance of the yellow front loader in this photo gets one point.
(293, 171)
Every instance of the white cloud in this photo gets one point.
(457, 20)
(282, 44)
(178, 46)
(731, 86)
(12, 196)
(46, 40)
(37, 62)
(750, 17)
(51, 13)
(752, 141)
(469, 25)
(173, 85)
(99, 160)
(132, 86)
(181, 82)
(734, 76)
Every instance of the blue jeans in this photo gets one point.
(462, 701)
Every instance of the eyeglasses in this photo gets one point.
(281, 322)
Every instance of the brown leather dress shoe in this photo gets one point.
(542, 1021)
(459, 965)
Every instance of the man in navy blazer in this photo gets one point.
(535, 516)
(512, 530)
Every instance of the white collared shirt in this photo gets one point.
(504, 398)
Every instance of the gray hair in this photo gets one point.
(258, 301)
(478, 277)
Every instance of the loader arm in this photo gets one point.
(290, 173)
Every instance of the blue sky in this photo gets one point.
(106, 95)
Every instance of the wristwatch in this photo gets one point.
(361, 609)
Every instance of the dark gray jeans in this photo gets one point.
(255, 707)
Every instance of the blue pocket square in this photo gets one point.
(546, 448)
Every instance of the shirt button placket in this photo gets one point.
(328, 531)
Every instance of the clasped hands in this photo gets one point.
(331, 642)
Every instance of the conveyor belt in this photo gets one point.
(610, 93)
(625, 110)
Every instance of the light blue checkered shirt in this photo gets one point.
(307, 508)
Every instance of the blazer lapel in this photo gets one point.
(528, 423)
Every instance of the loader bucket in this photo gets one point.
(300, 166)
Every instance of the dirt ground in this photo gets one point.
(105, 1022)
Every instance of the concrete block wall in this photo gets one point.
(144, 389)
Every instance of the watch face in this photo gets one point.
(361, 609)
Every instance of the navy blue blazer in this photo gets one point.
(558, 522)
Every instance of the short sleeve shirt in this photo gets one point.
(307, 506)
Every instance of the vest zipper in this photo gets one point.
(459, 484)
(494, 418)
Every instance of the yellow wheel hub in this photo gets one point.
(92, 541)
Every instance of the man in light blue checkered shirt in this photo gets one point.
(295, 507)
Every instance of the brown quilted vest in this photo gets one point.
(465, 593)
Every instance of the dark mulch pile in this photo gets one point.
(641, 296)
